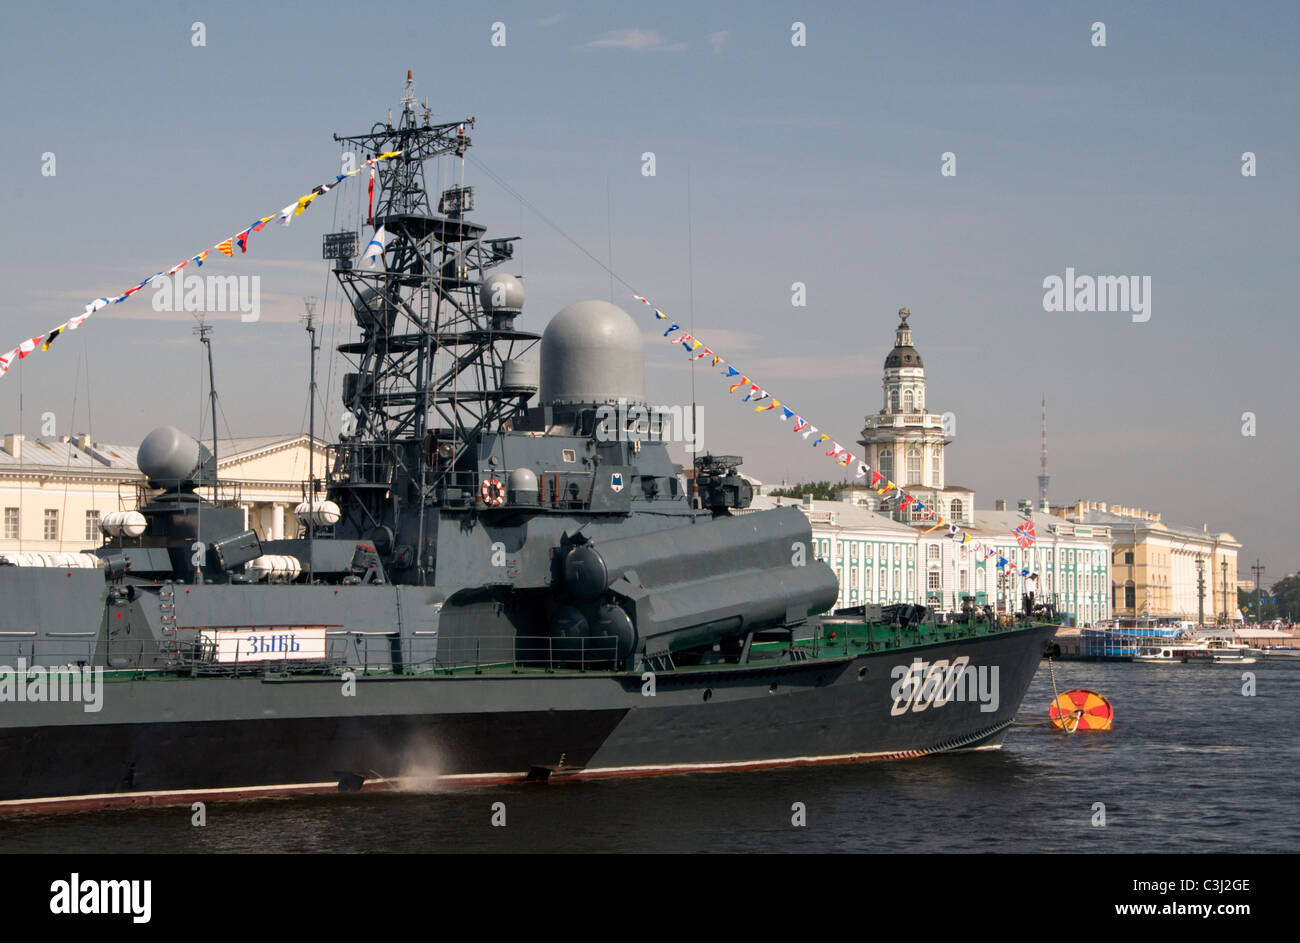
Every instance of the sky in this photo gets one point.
(775, 163)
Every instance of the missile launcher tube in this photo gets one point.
(689, 586)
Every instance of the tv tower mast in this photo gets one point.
(1043, 477)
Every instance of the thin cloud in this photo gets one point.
(717, 39)
(551, 20)
(640, 40)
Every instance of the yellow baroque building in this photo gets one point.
(1164, 570)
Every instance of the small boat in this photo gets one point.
(1279, 651)
(1202, 651)
(1225, 648)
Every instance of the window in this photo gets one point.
(936, 463)
(958, 511)
(11, 523)
(1128, 558)
(568, 455)
(911, 554)
(932, 553)
(914, 465)
(907, 401)
(51, 524)
(932, 582)
(893, 401)
(886, 463)
(866, 575)
(853, 551)
(92, 525)
(965, 581)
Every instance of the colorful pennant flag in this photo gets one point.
(285, 216)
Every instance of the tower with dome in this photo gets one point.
(904, 441)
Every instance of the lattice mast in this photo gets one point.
(429, 362)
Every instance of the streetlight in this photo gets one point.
(1224, 565)
(1200, 591)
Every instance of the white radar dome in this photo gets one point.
(592, 352)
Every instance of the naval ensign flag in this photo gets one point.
(374, 254)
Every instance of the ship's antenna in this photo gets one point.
(204, 332)
(309, 322)
(609, 235)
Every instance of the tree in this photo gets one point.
(1286, 598)
(820, 490)
(1269, 605)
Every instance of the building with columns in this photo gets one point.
(1164, 570)
(881, 561)
(53, 491)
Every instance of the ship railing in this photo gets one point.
(366, 652)
(518, 652)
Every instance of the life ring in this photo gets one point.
(492, 492)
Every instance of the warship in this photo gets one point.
(491, 581)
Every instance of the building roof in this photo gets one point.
(838, 514)
(239, 448)
(1125, 523)
(1001, 524)
(79, 454)
(64, 455)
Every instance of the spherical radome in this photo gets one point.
(502, 294)
(592, 352)
(169, 455)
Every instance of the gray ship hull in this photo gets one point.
(161, 740)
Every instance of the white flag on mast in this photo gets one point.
(374, 253)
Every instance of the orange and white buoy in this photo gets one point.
(1081, 710)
